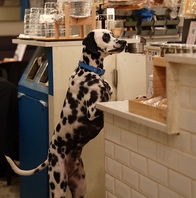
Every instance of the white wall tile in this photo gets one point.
(167, 156)
(164, 192)
(187, 120)
(112, 133)
(149, 163)
(147, 147)
(130, 177)
(129, 140)
(147, 187)
(121, 122)
(138, 162)
(157, 135)
(193, 143)
(187, 165)
(157, 172)
(122, 190)
(180, 184)
(193, 98)
(193, 189)
(121, 154)
(187, 76)
(173, 73)
(110, 195)
(181, 141)
(109, 149)
(109, 183)
(138, 128)
(108, 117)
(135, 194)
(114, 168)
(184, 98)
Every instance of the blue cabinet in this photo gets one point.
(33, 124)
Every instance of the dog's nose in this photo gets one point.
(122, 42)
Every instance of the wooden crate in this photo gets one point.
(159, 89)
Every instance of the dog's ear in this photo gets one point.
(90, 43)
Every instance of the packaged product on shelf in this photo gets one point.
(159, 101)
(163, 103)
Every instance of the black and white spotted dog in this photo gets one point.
(80, 121)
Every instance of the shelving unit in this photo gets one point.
(81, 22)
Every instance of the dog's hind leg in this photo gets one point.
(76, 182)
(58, 176)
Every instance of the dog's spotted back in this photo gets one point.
(80, 120)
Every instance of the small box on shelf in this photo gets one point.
(159, 20)
(146, 30)
(160, 31)
(172, 30)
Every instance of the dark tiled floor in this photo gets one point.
(12, 191)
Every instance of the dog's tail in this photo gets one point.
(19, 171)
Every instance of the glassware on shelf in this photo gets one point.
(35, 25)
(26, 21)
(80, 8)
(117, 28)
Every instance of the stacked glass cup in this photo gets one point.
(60, 9)
(49, 9)
(26, 21)
(36, 29)
(40, 22)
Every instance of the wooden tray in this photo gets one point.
(149, 111)
(159, 86)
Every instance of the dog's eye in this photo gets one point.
(106, 37)
(112, 34)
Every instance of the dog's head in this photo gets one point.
(103, 41)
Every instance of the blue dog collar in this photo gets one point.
(96, 70)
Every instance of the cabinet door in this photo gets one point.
(131, 75)
(33, 132)
(109, 66)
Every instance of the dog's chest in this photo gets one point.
(85, 89)
(82, 83)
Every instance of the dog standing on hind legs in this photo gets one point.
(79, 121)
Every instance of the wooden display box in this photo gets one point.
(159, 89)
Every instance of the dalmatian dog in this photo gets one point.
(80, 120)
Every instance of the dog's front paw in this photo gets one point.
(140, 97)
(110, 90)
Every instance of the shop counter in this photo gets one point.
(180, 82)
(148, 158)
(120, 109)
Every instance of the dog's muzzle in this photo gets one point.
(119, 47)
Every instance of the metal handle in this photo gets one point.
(20, 94)
(115, 77)
(45, 104)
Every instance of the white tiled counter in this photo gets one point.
(141, 159)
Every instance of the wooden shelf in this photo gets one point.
(131, 7)
(81, 22)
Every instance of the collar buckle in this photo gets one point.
(96, 70)
(99, 71)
